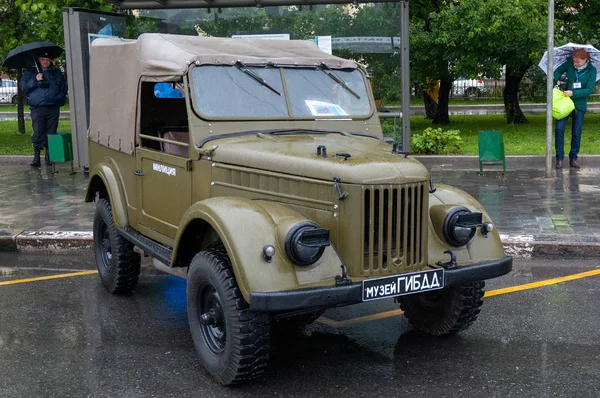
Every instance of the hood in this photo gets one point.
(370, 162)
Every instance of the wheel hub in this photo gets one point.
(212, 320)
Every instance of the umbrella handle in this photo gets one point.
(35, 63)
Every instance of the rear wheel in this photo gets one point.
(446, 311)
(118, 265)
(232, 341)
(15, 99)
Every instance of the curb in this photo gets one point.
(530, 246)
(513, 162)
(55, 242)
(68, 242)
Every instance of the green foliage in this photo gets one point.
(525, 139)
(473, 37)
(392, 128)
(533, 85)
(577, 22)
(14, 143)
(24, 21)
(436, 141)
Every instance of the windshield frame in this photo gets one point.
(282, 68)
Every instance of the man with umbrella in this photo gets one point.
(46, 92)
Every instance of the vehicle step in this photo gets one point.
(153, 248)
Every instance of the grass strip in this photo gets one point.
(526, 139)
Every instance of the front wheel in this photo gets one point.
(231, 341)
(446, 311)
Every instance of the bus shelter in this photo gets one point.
(83, 26)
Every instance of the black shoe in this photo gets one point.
(574, 164)
(47, 159)
(36, 159)
(559, 163)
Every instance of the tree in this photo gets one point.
(471, 37)
(433, 55)
(578, 22)
(502, 32)
(14, 31)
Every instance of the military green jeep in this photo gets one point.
(257, 170)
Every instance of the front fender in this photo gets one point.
(244, 227)
(103, 175)
(480, 248)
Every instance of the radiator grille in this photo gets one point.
(393, 226)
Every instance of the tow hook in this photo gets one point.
(343, 280)
(450, 264)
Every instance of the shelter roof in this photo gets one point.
(162, 4)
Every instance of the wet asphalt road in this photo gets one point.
(68, 337)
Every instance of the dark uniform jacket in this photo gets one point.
(586, 77)
(51, 91)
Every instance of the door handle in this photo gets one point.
(138, 173)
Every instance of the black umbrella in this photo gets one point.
(21, 57)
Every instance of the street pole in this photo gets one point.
(549, 87)
(405, 75)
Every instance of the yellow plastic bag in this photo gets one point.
(562, 105)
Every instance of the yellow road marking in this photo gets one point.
(381, 315)
(546, 282)
(45, 278)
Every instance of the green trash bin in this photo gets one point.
(60, 147)
(491, 149)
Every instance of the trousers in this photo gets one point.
(559, 135)
(44, 120)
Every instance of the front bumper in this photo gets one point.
(327, 297)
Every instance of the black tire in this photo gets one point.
(232, 342)
(15, 99)
(118, 265)
(444, 312)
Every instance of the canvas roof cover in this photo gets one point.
(118, 65)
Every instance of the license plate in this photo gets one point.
(399, 285)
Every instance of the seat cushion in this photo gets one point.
(181, 136)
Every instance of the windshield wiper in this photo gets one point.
(241, 66)
(335, 77)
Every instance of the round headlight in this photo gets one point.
(305, 243)
(454, 234)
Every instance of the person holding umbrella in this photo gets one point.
(46, 92)
(581, 80)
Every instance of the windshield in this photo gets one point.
(249, 91)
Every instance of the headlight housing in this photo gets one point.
(455, 232)
(305, 243)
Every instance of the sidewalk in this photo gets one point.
(536, 216)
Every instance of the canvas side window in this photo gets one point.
(163, 115)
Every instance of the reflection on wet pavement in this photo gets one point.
(525, 202)
(519, 202)
(34, 198)
(69, 337)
